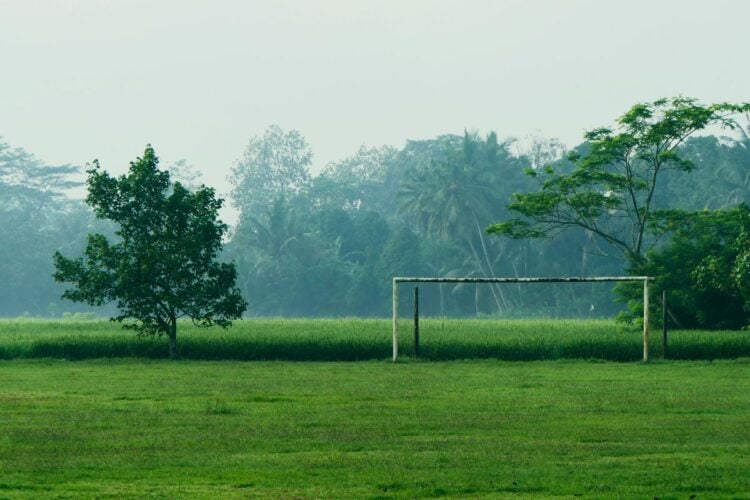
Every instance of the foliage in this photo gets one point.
(359, 182)
(452, 199)
(450, 196)
(329, 245)
(163, 265)
(366, 165)
(186, 174)
(720, 178)
(272, 166)
(611, 189)
(705, 270)
(36, 218)
(304, 264)
(726, 268)
(26, 180)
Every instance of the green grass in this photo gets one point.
(136, 428)
(363, 339)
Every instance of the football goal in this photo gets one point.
(644, 279)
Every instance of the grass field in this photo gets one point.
(374, 429)
(363, 339)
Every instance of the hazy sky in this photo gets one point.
(84, 79)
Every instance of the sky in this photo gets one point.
(85, 79)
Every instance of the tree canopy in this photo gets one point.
(705, 267)
(273, 165)
(328, 245)
(163, 263)
(610, 188)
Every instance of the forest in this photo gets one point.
(327, 245)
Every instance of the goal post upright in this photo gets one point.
(395, 318)
(644, 279)
(645, 319)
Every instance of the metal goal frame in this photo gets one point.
(644, 279)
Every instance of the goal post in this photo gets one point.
(644, 279)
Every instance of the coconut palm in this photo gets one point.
(452, 199)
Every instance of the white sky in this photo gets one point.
(85, 79)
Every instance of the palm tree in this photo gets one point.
(453, 197)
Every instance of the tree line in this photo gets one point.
(646, 195)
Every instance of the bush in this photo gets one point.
(702, 270)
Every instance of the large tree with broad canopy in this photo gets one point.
(163, 264)
(609, 190)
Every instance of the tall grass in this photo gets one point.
(359, 339)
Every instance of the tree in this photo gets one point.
(163, 265)
(705, 270)
(358, 182)
(296, 264)
(273, 166)
(727, 268)
(186, 174)
(36, 218)
(366, 165)
(610, 190)
(21, 169)
(29, 183)
(452, 198)
(720, 179)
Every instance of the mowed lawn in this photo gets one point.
(374, 429)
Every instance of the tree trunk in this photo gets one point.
(442, 299)
(480, 265)
(173, 352)
(476, 299)
(490, 267)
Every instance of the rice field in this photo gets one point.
(366, 339)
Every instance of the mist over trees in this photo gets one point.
(36, 218)
(329, 244)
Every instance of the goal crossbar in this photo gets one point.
(401, 279)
